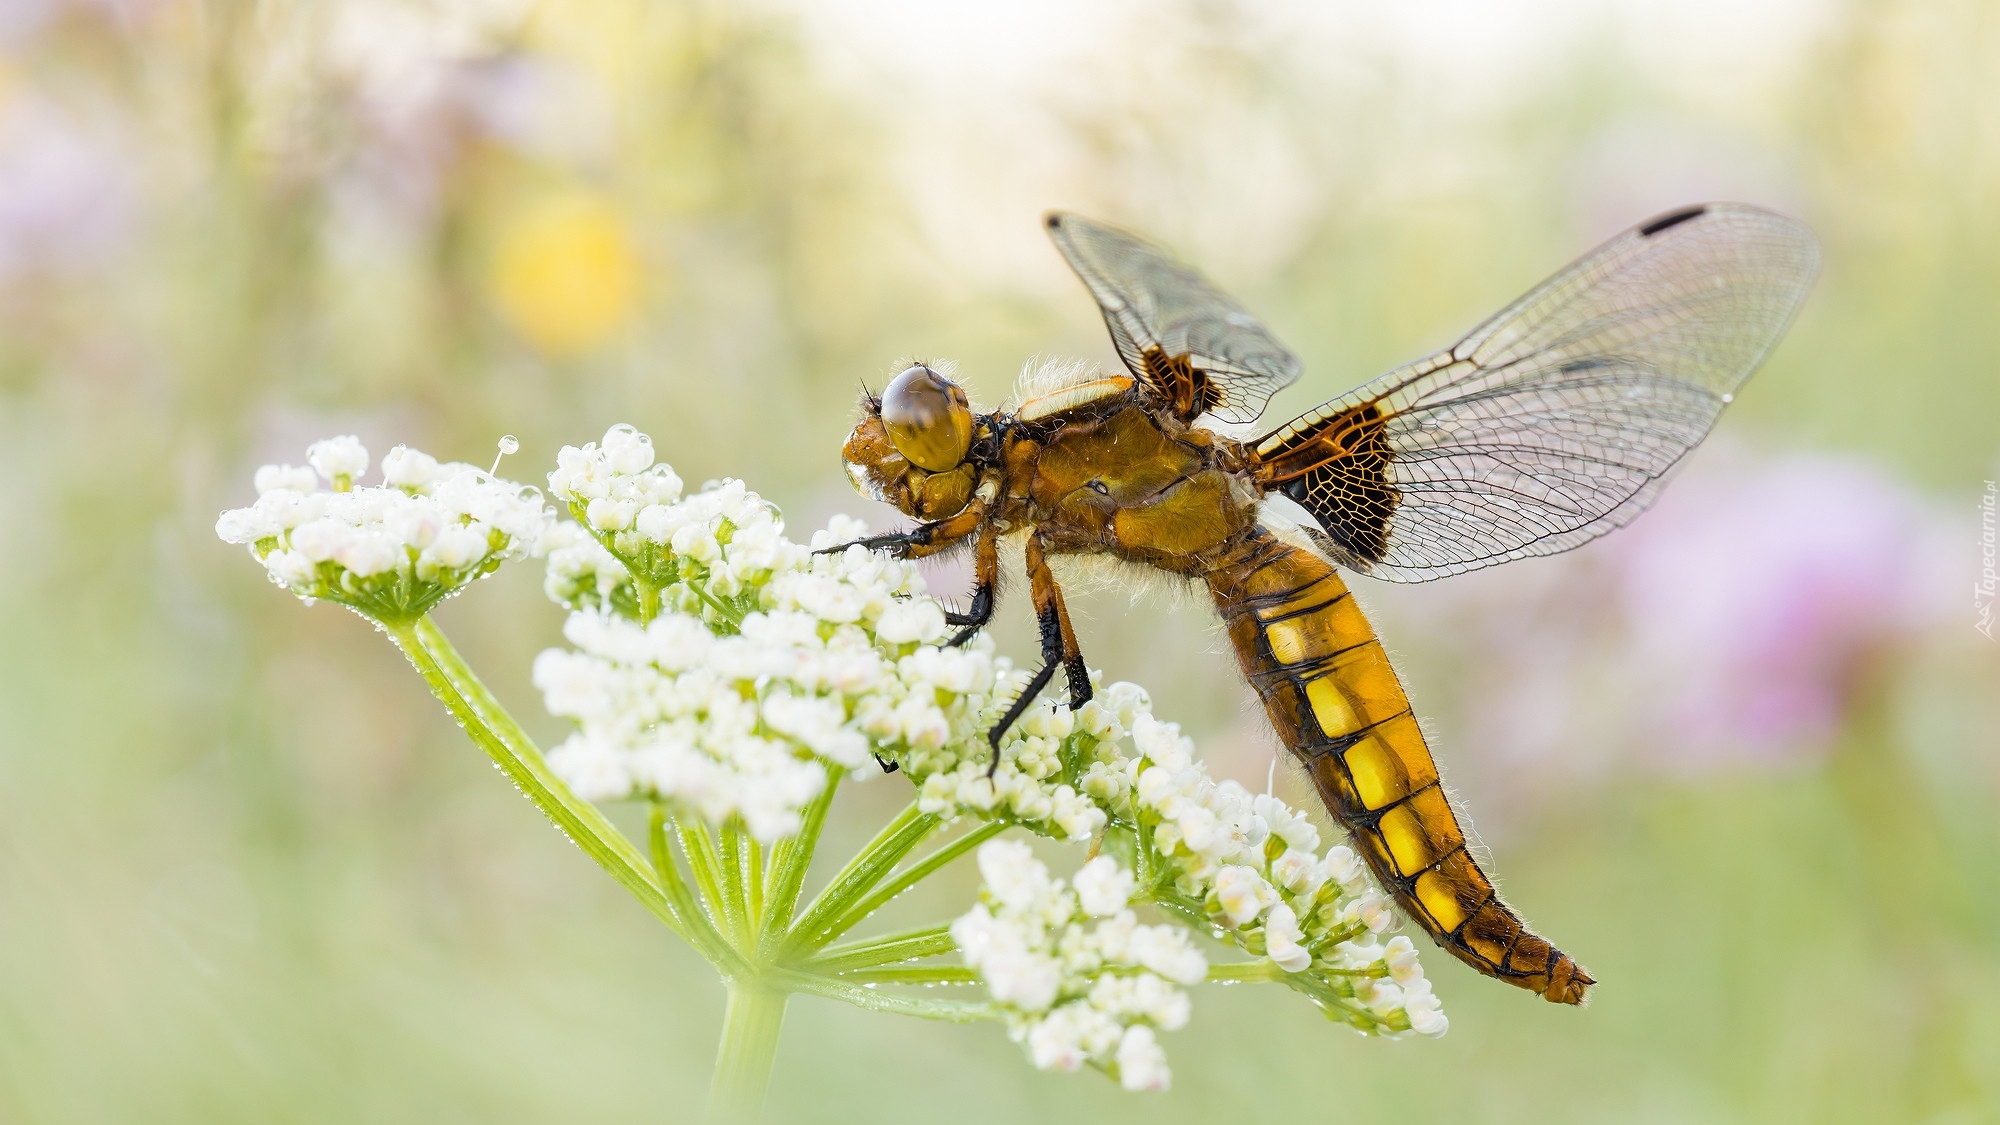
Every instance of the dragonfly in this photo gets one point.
(1555, 421)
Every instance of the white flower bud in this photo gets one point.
(245, 525)
(914, 620)
(1375, 911)
(1282, 938)
(366, 554)
(292, 569)
(338, 457)
(1299, 872)
(319, 539)
(697, 542)
(1242, 894)
(416, 526)
(1422, 1008)
(1102, 886)
(626, 450)
(458, 546)
(285, 478)
(1401, 957)
(607, 514)
(1142, 1062)
(403, 467)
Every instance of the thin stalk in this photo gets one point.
(1238, 972)
(866, 869)
(915, 974)
(931, 941)
(877, 1000)
(706, 867)
(495, 731)
(735, 904)
(910, 877)
(753, 884)
(701, 932)
(790, 860)
(750, 1027)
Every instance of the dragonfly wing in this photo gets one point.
(1182, 337)
(1557, 420)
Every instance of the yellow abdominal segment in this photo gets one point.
(1337, 703)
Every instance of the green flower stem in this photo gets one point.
(701, 932)
(789, 861)
(1238, 972)
(753, 884)
(911, 876)
(896, 840)
(877, 1000)
(496, 732)
(749, 1044)
(735, 895)
(706, 867)
(916, 974)
(733, 617)
(909, 945)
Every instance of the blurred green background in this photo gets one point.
(1742, 759)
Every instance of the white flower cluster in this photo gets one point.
(1081, 979)
(1246, 863)
(762, 663)
(701, 553)
(1249, 862)
(392, 551)
(1029, 786)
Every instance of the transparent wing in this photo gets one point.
(1555, 421)
(1170, 324)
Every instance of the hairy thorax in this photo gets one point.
(1118, 480)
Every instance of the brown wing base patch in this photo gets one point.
(1338, 470)
(1186, 388)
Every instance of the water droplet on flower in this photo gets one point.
(508, 444)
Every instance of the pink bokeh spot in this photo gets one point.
(1759, 593)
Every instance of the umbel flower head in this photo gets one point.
(721, 668)
(1083, 981)
(391, 551)
(730, 676)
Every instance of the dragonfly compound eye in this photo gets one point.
(928, 419)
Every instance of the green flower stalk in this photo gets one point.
(732, 680)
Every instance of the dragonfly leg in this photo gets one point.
(924, 539)
(986, 575)
(1058, 647)
(1054, 618)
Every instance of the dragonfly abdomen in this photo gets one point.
(1339, 707)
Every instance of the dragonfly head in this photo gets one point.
(928, 419)
(911, 447)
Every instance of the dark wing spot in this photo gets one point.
(1671, 219)
(1591, 364)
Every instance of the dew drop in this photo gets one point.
(508, 444)
(1728, 399)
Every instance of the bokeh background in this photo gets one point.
(1742, 758)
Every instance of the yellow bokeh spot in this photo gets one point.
(565, 274)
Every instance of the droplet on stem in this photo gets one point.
(508, 444)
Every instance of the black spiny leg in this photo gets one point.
(1051, 657)
(924, 539)
(986, 575)
(1058, 647)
